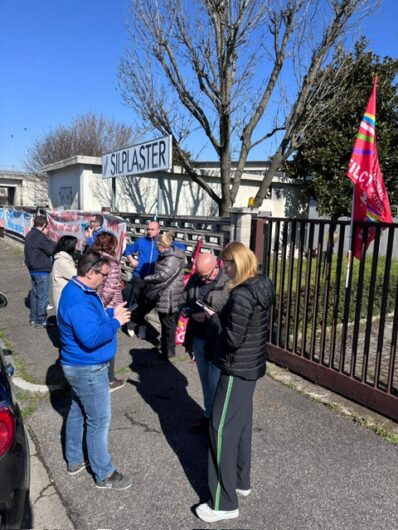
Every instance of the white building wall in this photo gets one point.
(78, 183)
(64, 188)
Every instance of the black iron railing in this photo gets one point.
(338, 330)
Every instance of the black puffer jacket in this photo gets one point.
(39, 250)
(169, 264)
(243, 329)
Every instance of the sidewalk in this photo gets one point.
(312, 468)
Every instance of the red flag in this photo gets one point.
(370, 195)
(183, 321)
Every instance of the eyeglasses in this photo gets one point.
(103, 274)
(207, 276)
(99, 261)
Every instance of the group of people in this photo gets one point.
(227, 304)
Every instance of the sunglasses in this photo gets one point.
(103, 274)
(99, 261)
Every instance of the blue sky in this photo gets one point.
(59, 58)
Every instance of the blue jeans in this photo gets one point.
(39, 297)
(91, 403)
(208, 372)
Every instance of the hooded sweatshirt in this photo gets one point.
(243, 327)
(64, 269)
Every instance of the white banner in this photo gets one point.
(148, 157)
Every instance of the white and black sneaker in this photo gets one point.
(74, 469)
(130, 328)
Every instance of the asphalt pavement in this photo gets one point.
(312, 468)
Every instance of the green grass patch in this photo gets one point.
(318, 293)
(29, 401)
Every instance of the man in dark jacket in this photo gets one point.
(39, 250)
(209, 286)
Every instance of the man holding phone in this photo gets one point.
(205, 292)
(88, 335)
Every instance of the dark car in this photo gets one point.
(14, 451)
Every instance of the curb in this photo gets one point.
(369, 419)
(21, 383)
(32, 387)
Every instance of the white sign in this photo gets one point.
(148, 157)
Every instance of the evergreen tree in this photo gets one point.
(325, 156)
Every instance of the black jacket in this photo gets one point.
(243, 329)
(38, 251)
(216, 298)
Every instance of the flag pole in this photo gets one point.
(351, 238)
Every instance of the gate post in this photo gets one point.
(241, 224)
(257, 242)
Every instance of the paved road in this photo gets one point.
(312, 469)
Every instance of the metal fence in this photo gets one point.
(342, 335)
(215, 232)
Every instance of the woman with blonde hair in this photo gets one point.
(242, 330)
(165, 287)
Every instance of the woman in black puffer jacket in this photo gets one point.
(166, 286)
(242, 329)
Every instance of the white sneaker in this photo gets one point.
(204, 512)
(49, 307)
(244, 493)
(130, 329)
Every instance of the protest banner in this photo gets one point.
(74, 222)
(17, 221)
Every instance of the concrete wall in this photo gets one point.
(64, 188)
(19, 189)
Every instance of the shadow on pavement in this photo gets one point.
(164, 388)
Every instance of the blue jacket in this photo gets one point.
(147, 255)
(86, 329)
(91, 240)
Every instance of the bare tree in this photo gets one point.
(89, 135)
(238, 73)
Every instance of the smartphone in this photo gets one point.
(132, 307)
(204, 306)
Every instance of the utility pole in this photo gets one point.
(12, 152)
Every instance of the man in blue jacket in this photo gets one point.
(88, 342)
(142, 255)
(94, 230)
(39, 250)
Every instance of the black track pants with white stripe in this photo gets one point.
(230, 441)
